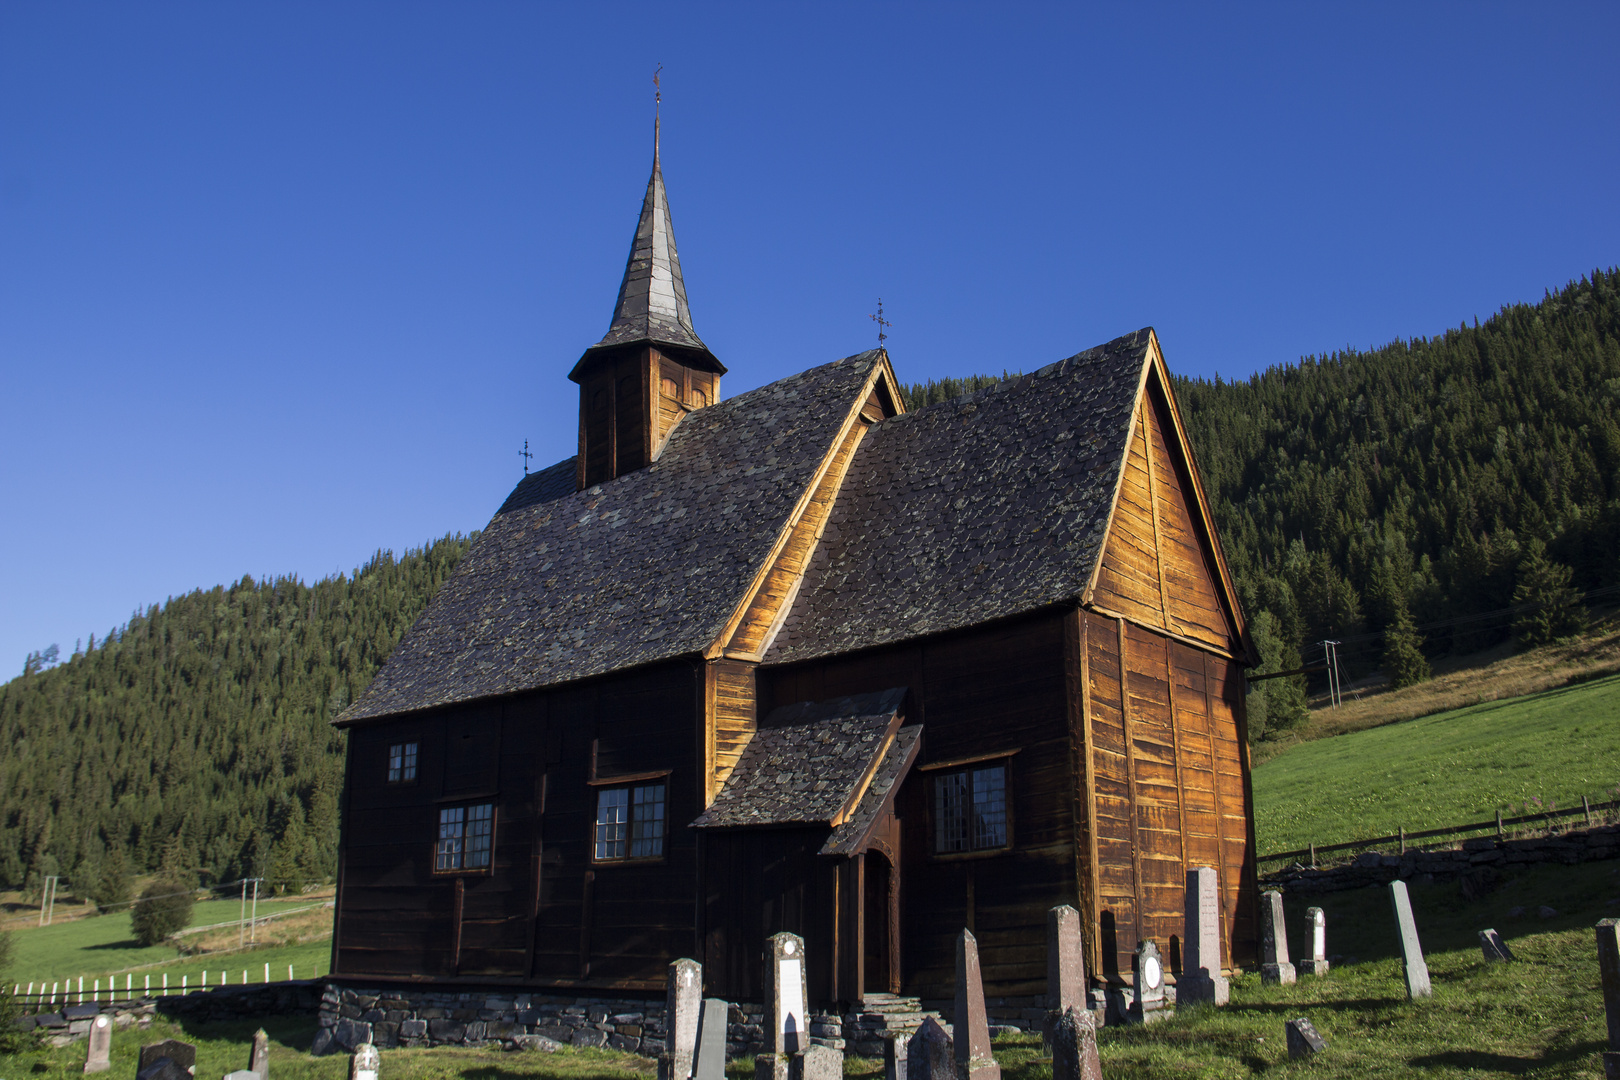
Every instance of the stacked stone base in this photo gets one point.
(71, 1023)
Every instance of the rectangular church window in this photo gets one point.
(970, 810)
(466, 837)
(401, 762)
(630, 822)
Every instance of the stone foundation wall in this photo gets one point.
(1477, 862)
(407, 1016)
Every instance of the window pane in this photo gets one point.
(480, 835)
(647, 822)
(408, 763)
(450, 831)
(396, 754)
(612, 813)
(990, 807)
(951, 812)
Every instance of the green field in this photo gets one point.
(99, 946)
(1447, 769)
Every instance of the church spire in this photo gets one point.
(652, 306)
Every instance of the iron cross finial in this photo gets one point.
(525, 455)
(883, 324)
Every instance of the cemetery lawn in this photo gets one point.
(1451, 768)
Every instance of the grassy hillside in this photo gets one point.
(1446, 769)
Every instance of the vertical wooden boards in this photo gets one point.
(1239, 888)
(1152, 756)
(1076, 673)
(1116, 908)
(733, 717)
(1128, 580)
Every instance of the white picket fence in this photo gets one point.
(65, 992)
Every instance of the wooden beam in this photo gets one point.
(1130, 775)
(1088, 884)
(1153, 509)
(1191, 643)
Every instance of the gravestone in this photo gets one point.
(1074, 1046)
(710, 1055)
(1608, 948)
(785, 997)
(98, 1055)
(1201, 978)
(1316, 920)
(241, 1074)
(1065, 967)
(1274, 965)
(683, 1001)
(163, 1069)
(818, 1063)
(1493, 948)
(259, 1056)
(1303, 1040)
(1417, 971)
(1147, 970)
(183, 1054)
(365, 1062)
(970, 1032)
(894, 1057)
(929, 1054)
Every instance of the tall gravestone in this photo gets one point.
(365, 1063)
(1147, 975)
(1608, 948)
(929, 1055)
(785, 999)
(971, 1030)
(710, 1054)
(1201, 978)
(683, 1001)
(1274, 965)
(1074, 1046)
(1316, 923)
(1417, 970)
(1065, 967)
(259, 1056)
(98, 1054)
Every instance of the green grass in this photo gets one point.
(96, 947)
(1447, 769)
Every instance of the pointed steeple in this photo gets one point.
(652, 306)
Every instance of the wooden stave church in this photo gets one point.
(796, 614)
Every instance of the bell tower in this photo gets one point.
(651, 368)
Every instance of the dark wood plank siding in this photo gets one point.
(761, 882)
(994, 689)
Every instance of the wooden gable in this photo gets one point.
(1162, 567)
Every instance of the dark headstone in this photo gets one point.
(182, 1054)
(1303, 1040)
(1065, 965)
(1608, 949)
(1274, 965)
(1316, 922)
(163, 1069)
(1492, 947)
(929, 1055)
(971, 1029)
(709, 1055)
(1074, 1046)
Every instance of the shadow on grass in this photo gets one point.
(130, 946)
(1291, 1009)
(1507, 1063)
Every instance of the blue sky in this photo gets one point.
(284, 284)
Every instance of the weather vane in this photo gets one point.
(658, 93)
(525, 455)
(883, 324)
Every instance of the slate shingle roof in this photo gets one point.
(805, 762)
(896, 763)
(973, 509)
(562, 584)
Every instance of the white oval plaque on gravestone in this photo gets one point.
(790, 995)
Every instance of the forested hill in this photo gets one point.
(204, 720)
(1426, 482)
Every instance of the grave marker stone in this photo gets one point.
(1493, 948)
(710, 1054)
(971, 1031)
(1274, 965)
(259, 1056)
(241, 1074)
(163, 1069)
(1608, 947)
(819, 1063)
(1147, 998)
(182, 1054)
(894, 1058)
(1065, 967)
(1303, 1040)
(1074, 1046)
(683, 1001)
(98, 1054)
(365, 1062)
(785, 997)
(1417, 971)
(1316, 919)
(1201, 978)
(929, 1054)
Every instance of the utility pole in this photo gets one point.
(47, 900)
(242, 935)
(1330, 657)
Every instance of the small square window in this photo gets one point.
(466, 837)
(970, 810)
(401, 762)
(630, 822)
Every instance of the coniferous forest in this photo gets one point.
(1433, 496)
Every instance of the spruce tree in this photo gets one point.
(1549, 607)
(1404, 662)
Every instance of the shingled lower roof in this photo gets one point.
(974, 509)
(563, 585)
(808, 764)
